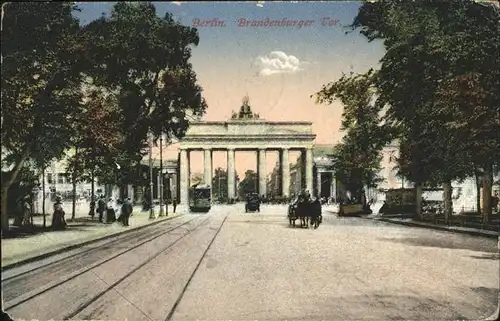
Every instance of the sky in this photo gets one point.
(279, 67)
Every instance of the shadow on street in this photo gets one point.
(445, 243)
(492, 256)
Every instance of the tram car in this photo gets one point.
(200, 198)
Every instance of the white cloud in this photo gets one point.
(177, 3)
(278, 62)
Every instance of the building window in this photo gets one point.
(50, 178)
(60, 178)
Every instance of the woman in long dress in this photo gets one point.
(58, 221)
(110, 211)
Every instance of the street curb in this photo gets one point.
(435, 227)
(74, 246)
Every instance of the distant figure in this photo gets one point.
(126, 211)
(101, 207)
(110, 211)
(119, 212)
(92, 209)
(27, 215)
(384, 208)
(316, 217)
(174, 203)
(494, 202)
(58, 221)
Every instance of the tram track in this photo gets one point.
(181, 295)
(118, 241)
(12, 300)
(89, 302)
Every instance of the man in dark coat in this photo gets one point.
(174, 203)
(127, 209)
(101, 207)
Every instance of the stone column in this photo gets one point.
(318, 182)
(231, 174)
(207, 163)
(309, 170)
(262, 172)
(184, 181)
(285, 172)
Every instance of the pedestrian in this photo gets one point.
(119, 211)
(174, 203)
(101, 207)
(58, 221)
(494, 202)
(92, 208)
(27, 212)
(126, 211)
(110, 211)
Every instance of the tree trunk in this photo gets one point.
(448, 202)
(5, 190)
(43, 197)
(73, 209)
(92, 187)
(487, 191)
(73, 179)
(418, 200)
(478, 191)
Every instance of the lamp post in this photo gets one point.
(161, 175)
(168, 191)
(151, 210)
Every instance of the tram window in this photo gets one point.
(202, 194)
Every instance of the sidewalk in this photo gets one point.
(456, 229)
(79, 232)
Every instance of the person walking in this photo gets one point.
(174, 203)
(58, 221)
(92, 208)
(101, 207)
(110, 211)
(126, 211)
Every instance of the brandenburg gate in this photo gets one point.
(245, 131)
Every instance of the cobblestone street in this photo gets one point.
(259, 268)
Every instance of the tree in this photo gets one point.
(359, 154)
(97, 138)
(144, 60)
(249, 184)
(422, 69)
(219, 184)
(40, 84)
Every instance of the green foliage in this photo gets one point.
(100, 89)
(219, 183)
(434, 49)
(40, 78)
(249, 184)
(144, 60)
(358, 156)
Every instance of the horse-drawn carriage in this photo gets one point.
(307, 210)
